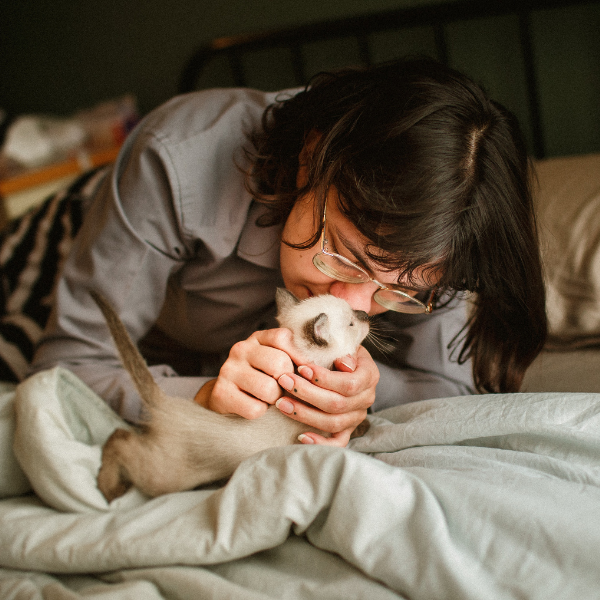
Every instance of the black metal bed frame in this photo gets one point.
(436, 16)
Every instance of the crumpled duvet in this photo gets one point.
(490, 496)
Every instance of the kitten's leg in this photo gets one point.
(113, 478)
(361, 429)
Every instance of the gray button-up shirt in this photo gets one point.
(171, 240)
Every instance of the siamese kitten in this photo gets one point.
(324, 327)
(182, 445)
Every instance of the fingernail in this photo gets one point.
(286, 382)
(348, 362)
(305, 439)
(285, 406)
(306, 372)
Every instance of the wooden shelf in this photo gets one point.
(23, 190)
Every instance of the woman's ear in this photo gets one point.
(302, 175)
(304, 157)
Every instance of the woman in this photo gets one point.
(394, 188)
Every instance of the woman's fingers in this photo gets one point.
(247, 381)
(251, 376)
(313, 417)
(340, 439)
(334, 402)
(335, 392)
(228, 398)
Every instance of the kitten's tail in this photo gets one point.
(132, 360)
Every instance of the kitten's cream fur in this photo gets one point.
(324, 327)
(183, 445)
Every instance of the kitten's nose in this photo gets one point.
(361, 315)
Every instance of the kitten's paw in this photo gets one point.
(361, 429)
(113, 480)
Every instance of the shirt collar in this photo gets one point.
(260, 245)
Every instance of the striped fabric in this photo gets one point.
(32, 251)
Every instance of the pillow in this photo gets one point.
(567, 198)
(32, 251)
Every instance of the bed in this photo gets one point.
(494, 496)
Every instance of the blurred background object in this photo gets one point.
(41, 153)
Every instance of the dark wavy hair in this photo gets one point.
(435, 174)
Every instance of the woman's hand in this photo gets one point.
(335, 402)
(247, 382)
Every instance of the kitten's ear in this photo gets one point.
(285, 299)
(320, 326)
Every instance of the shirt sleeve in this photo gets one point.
(129, 245)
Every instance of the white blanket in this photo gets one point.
(482, 497)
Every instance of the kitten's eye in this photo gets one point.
(351, 323)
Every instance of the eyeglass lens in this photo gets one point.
(339, 268)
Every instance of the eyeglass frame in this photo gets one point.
(427, 308)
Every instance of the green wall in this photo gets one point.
(57, 55)
(61, 55)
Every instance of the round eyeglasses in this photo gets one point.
(341, 269)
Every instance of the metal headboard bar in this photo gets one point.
(533, 95)
(437, 16)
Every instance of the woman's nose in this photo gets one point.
(358, 295)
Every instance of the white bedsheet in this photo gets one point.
(482, 497)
